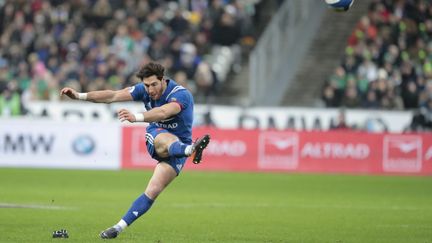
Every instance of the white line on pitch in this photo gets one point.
(33, 206)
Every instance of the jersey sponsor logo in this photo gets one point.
(167, 126)
(402, 153)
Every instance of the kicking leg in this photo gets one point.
(162, 176)
(169, 145)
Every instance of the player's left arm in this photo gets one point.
(154, 115)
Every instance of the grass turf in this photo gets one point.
(217, 207)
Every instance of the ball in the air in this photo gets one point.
(340, 5)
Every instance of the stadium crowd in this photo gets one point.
(388, 60)
(99, 44)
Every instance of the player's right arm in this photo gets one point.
(101, 96)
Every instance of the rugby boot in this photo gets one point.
(109, 233)
(198, 147)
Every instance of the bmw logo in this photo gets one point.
(83, 145)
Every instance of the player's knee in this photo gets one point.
(162, 149)
(162, 143)
(153, 190)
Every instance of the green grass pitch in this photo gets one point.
(216, 207)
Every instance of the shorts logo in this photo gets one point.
(278, 150)
(402, 153)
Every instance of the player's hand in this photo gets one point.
(125, 115)
(69, 92)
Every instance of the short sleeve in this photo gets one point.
(137, 92)
(181, 97)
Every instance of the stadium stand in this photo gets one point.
(98, 44)
(387, 64)
(324, 53)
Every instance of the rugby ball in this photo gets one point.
(340, 5)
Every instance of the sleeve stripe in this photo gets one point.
(181, 106)
(176, 88)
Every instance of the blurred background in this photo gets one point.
(293, 68)
(326, 101)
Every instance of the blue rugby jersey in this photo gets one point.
(180, 124)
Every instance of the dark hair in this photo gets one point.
(151, 69)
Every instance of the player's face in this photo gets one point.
(154, 87)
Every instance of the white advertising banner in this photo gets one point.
(305, 119)
(233, 117)
(55, 144)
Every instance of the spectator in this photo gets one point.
(340, 124)
(94, 43)
(329, 96)
(206, 80)
(178, 23)
(226, 31)
(422, 118)
(351, 98)
(391, 101)
(102, 8)
(371, 101)
(410, 96)
(388, 55)
(10, 101)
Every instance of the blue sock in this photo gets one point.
(177, 149)
(138, 208)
